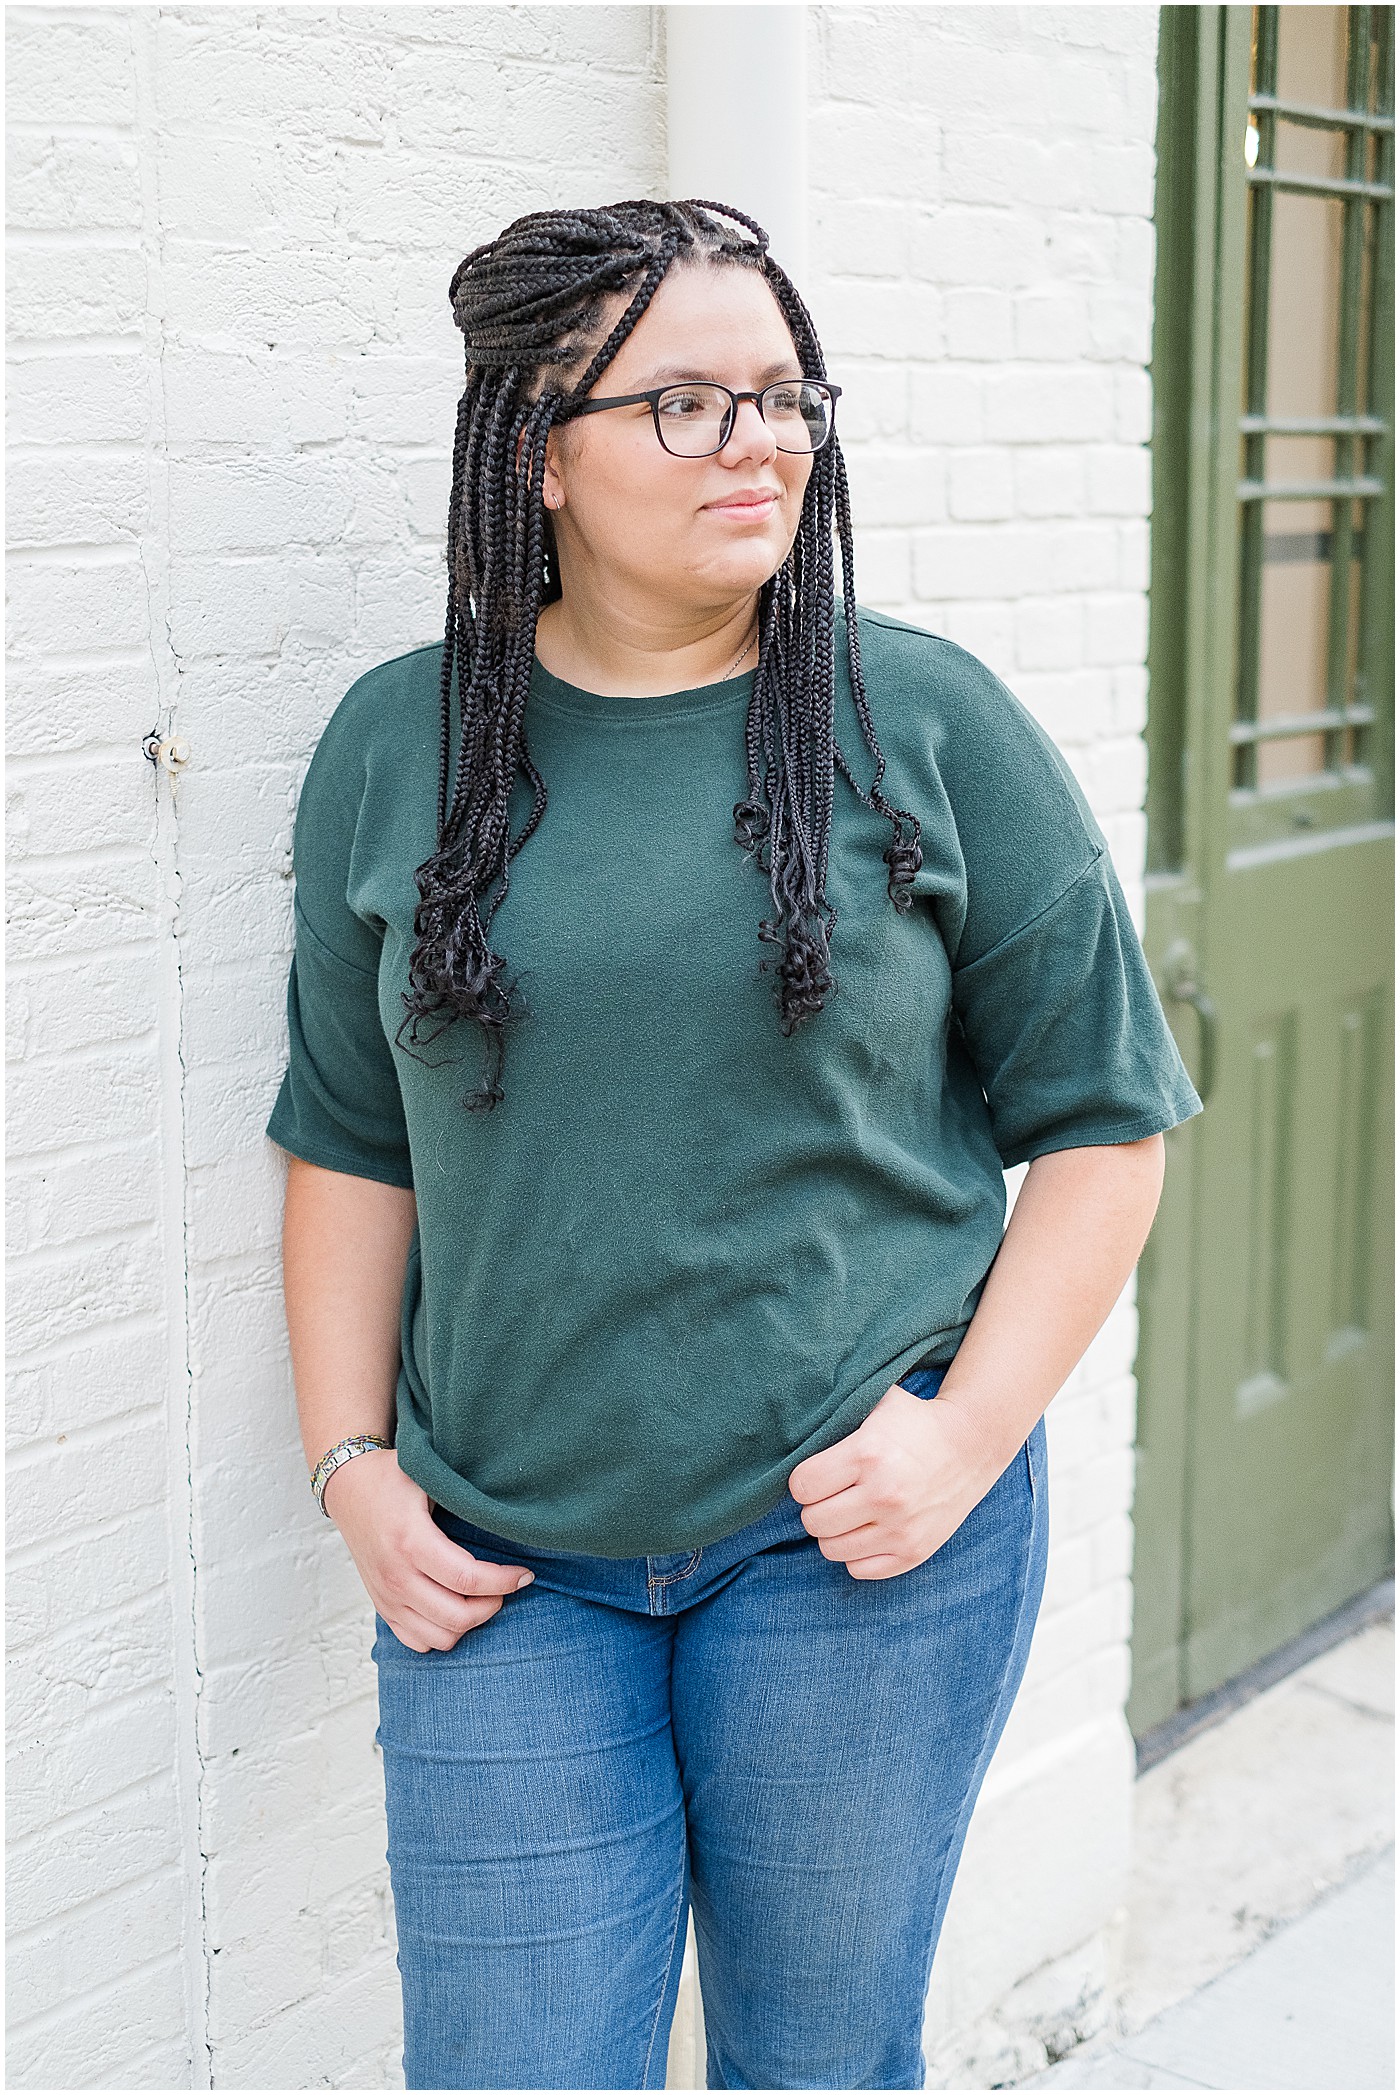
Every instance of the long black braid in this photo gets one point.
(525, 301)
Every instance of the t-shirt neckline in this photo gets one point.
(555, 696)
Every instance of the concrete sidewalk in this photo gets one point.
(1259, 1944)
(1312, 2008)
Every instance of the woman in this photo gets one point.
(615, 1311)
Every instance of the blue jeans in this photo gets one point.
(742, 1729)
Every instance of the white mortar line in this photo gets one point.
(187, 1679)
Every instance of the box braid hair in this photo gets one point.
(527, 300)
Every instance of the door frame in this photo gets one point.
(1185, 630)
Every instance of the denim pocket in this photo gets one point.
(1035, 1454)
(924, 1381)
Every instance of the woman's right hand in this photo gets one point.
(427, 1588)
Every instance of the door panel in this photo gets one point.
(1287, 1490)
(1266, 1343)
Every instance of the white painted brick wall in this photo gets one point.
(232, 380)
(101, 1809)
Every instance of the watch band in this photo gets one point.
(343, 1451)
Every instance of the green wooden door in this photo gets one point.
(1266, 1341)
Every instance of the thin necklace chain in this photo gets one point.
(742, 652)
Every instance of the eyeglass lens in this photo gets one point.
(693, 418)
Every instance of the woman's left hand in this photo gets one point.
(884, 1498)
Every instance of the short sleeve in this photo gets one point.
(339, 1105)
(1065, 1028)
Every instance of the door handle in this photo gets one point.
(1181, 973)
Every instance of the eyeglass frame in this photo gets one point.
(655, 395)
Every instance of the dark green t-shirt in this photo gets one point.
(684, 1252)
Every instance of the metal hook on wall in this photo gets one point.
(170, 751)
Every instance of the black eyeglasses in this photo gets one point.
(695, 419)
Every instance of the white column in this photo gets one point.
(736, 115)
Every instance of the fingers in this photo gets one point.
(844, 1549)
(442, 1614)
(421, 1633)
(425, 1586)
(856, 1548)
(883, 1567)
(464, 1589)
(838, 1519)
(439, 1590)
(448, 1564)
(428, 1589)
